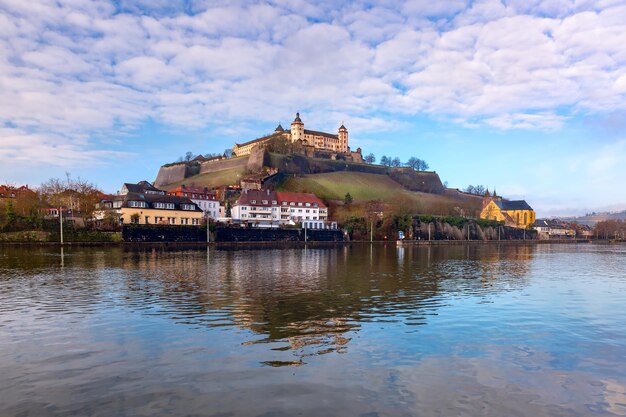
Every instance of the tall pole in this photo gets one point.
(371, 231)
(208, 233)
(305, 237)
(429, 231)
(61, 222)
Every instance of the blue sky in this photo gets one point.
(525, 96)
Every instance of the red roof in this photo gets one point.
(257, 197)
(181, 190)
(288, 197)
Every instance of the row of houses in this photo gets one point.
(143, 203)
(558, 229)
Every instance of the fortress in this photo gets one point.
(298, 134)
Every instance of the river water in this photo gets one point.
(358, 330)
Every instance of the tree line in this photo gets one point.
(28, 209)
(413, 162)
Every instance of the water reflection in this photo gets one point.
(481, 329)
(311, 301)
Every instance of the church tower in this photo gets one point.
(343, 138)
(297, 129)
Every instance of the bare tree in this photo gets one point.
(385, 160)
(414, 163)
(396, 162)
(370, 159)
(423, 166)
(475, 189)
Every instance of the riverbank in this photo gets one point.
(308, 244)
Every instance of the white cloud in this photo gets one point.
(75, 67)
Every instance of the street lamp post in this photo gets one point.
(61, 223)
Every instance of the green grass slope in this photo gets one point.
(361, 186)
(214, 179)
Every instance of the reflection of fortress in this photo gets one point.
(298, 134)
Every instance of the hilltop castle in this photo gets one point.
(298, 134)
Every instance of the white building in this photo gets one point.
(265, 208)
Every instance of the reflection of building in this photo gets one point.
(142, 203)
(319, 140)
(513, 213)
(269, 208)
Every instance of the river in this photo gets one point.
(355, 330)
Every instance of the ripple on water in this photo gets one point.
(509, 330)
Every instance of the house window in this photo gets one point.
(147, 219)
(169, 206)
(264, 201)
(195, 221)
(187, 206)
(136, 204)
(253, 201)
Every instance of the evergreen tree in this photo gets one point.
(347, 200)
(10, 212)
(228, 209)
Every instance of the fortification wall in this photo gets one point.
(257, 159)
(424, 181)
(277, 235)
(170, 174)
(301, 165)
(213, 166)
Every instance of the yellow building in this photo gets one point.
(513, 213)
(319, 140)
(142, 203)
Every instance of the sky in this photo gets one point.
(526, 96)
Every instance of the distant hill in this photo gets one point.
(328, 179)
(592, 219)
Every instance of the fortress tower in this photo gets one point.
(319, 140)
(297, 129)
(343, 138)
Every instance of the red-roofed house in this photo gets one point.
(265, 208)
(202, 196)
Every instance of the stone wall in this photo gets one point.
(163, 233)
(424, 181)
(171, 174)
(277, 235)
(213, 166)
(257, 159)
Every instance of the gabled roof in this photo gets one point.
(290, 197)
(317, 133)
(262, 139)
(140, 187)
(512, 205)
(150, 199)
(257, 198)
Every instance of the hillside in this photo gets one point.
(224, 177)
(365, 187)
